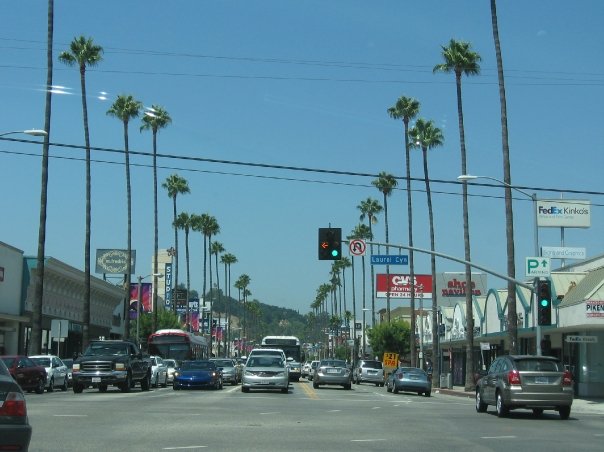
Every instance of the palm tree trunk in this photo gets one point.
(364, 321)
(507, 179)
(129, 238)
(188, 311)
(410, 235)
(469, 381)
(387, 266)
(36, 330)
(87, 291)
(210, 295)
(175, 243)
(354, 309)
(156, 233)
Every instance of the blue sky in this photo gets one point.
(301, 84)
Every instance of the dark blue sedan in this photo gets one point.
(197, 374)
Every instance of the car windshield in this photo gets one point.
(170, 362)
(3, 369)
(537, 365)
(42, 361)
(333, 363)
(224, 363)
(8, 361)
(106, 349)
(372, 364)
(265, 361)
(197, 365)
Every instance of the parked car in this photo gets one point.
(230, 370)
(69, 363)
(159, 372)
(171, 364)
(313, 366)
(197, 374)
(15, 430)
(56, 371)
(370, 371)
(332, 372)
(410, 379)
(305, 369)
(265, 372)
(525, 381)
(29, 375)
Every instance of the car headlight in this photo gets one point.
(176, 373)
(120, 366)
(76, 367)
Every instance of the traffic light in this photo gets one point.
(330, 244)
(544, 302)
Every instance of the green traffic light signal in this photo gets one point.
(544, 303)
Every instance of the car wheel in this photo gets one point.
(481, 407)
(284, 390)
(175, 387)
(102, 388)
(78, 388)
(502, 410)
(564, 412)
(64, 387)
(428, 393)
(145, 382)
(51, 385)
(165, 383)
(537, 412)
(315, 385)
(388, 388)
(348, 386)
(40, 386)
(394, 389)
(125, 386)
(244, 389)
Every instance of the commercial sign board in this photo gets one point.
(452, 285)
(594, 308)
(563, 213)
(559, 252)
(400, 286)
(537, 266)
(114, 261)
(582, 339)
(168, 280)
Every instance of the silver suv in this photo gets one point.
(370, 371)
(525, 381)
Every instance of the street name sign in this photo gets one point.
(537, 266)
(385, 259)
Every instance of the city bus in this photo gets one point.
(290, 345)
(178, 344)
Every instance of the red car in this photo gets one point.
(26, 372)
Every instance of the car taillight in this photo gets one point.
(14, 405)
(567, 378)
(513, 377)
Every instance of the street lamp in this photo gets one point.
(533, 198)
(140, 301)
(32, 132)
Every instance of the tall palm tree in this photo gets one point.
(184, 222)
(36, 330)
(362, 232)
(126, 108)
(242, 284)
(507, 181)
(155, 119)
(370, 208)
(83, 52)
(216, 249)
(462, 60)
(407, 108)
(175, 185)
(385, 183)
(426, 136)
(228, 259)
(210, 228)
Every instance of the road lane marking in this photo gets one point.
(184, 447)
(70, 415)
(366, 440)
(498, 437)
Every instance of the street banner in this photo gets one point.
(400, 286)
(146, 298)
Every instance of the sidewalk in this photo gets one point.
(580, 405)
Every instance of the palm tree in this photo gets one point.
(242, 283)
(155, 119)
(461, 60)
(407, 108)
(83, 52)
(184, 222)
(385, 183)
(370, 208)
(228, 259)
(507, 181)
(175, 185)
(426, 136)
(216, 249)
(36, 330)
(126, 108)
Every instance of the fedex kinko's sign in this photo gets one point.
(400, 286)
(563, 213)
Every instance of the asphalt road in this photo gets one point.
(365, 418)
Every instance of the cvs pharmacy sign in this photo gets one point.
(399, 286)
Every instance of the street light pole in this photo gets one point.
(533, 198)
